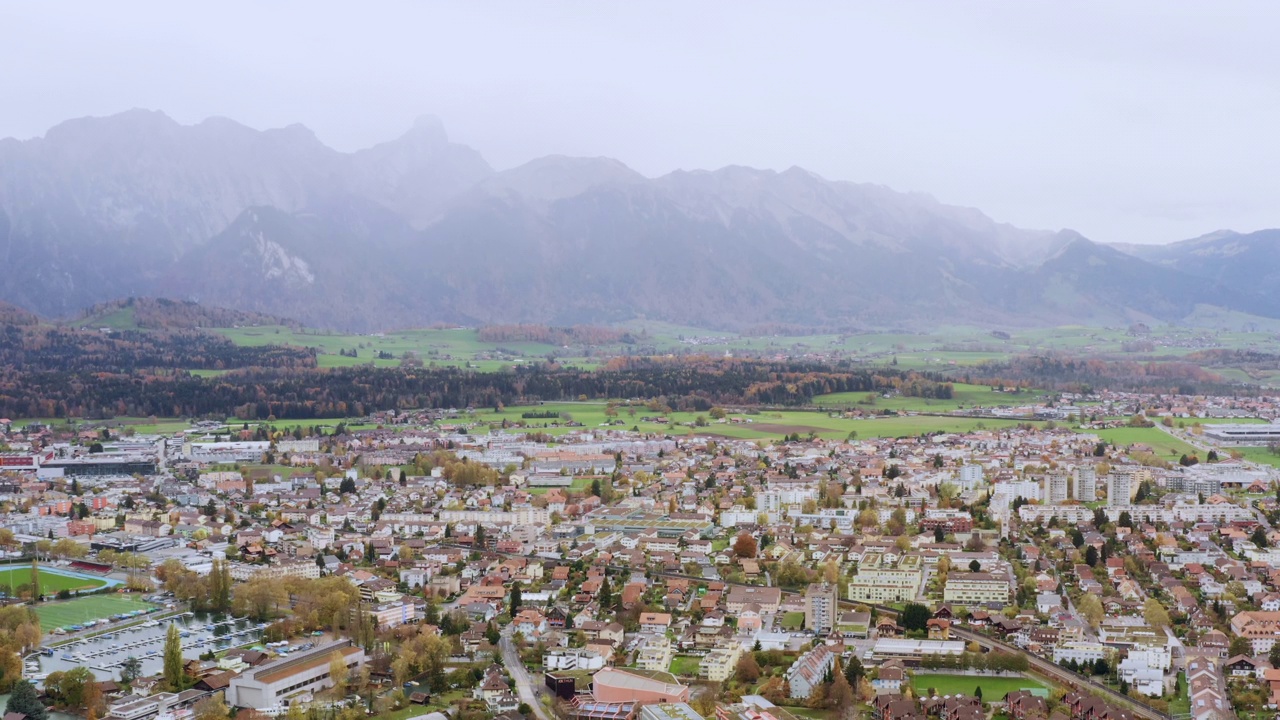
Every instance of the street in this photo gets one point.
(525, 689)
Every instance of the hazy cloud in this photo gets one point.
(1130, 122)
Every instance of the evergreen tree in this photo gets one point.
(1091, 556)
(173, 675)
(515, 598)
(606, 594)
(491, 633)
(23, 699)
(853, 670)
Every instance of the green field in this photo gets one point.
(963, 396)
(685, 666)
(1165, 446)
(65, 613)
(1255, 454)
(993, 688)
(762, 425)
(50, 583)
(793, 621)
(943, 349)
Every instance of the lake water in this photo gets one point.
(104, 654)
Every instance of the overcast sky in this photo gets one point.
(1129, 122)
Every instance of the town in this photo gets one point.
(441, 564)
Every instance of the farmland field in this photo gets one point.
(1165, 446)
(993, 688)
(1259, 455)
(964, 396)
(762, 425)
(95, 607)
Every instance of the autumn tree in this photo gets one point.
(1090, 608)
(744, 546)
(748, 670)
(211, 708)
(1155, 614)
(338, 671)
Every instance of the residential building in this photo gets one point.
(656, 654)
(1086, 483)
(882, 578)
(1056, 487)
(1260, 628)
(1120, 486)
(719, 664)
(768, 598)
(976, 588)
(809, 671)
(820, 607)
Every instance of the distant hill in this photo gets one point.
(1249, 262)
(421, 230)
(166, 314)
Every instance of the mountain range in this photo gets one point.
(421, 230)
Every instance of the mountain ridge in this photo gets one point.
(419, 229)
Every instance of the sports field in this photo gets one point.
(50, 582)
(65, 613)
(993, 688)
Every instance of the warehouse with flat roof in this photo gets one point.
(266, 686)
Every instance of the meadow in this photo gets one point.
(944, 349)
(771, 424)
(1163, 444)
(963, 396)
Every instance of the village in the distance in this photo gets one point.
(435, 563)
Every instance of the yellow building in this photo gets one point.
(656, 654)
(719, 664)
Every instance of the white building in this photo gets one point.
(1143, 672)
(1056, 487)
(271, 685)
(1080, 652)
(969, 477)
(1119, 487)
(1086, 480)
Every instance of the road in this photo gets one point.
(525, 689)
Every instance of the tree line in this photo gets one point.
(305, 392)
